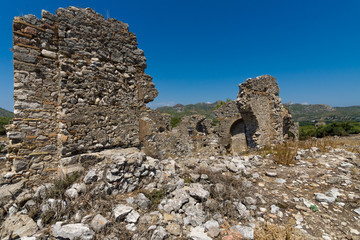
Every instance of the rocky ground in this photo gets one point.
(124, 194)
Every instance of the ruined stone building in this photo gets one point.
(254, 119)
(80, 86)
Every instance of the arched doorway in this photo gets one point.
(238, 138)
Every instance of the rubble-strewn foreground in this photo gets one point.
(124, 194)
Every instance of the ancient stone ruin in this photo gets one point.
(80, 86)
(254, 119)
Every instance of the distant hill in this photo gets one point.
(6, 113)
(322, 112)
(300, 112)
(180, 110)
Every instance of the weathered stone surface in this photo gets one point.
(194, 214)
(180, 198)
(197, 192)
(242, 210)
(159, 234)
(142, 201)
(121, 211)
(49, 54)
(323, 198)
(72, 231)
(10, 190)
(197, 233)
(132, 217)
(357, 210)
(19, 225)
(90, 177)
(99, 222)
(212, 227)
(246, 232)
(174, 229)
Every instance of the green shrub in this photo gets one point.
(331, 129)
(4, 121)
(175, 121)
(215, 122)
(156, 196)
(314, 208)
(219, 104)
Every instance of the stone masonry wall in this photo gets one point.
(259, 106)
(79, 85)
(260, 97)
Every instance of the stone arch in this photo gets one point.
(238, 136)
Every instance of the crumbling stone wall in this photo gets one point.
(258, 104)
(254, 119)
(79, 85)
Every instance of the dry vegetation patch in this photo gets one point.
(270, 231)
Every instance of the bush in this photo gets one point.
(222, 103)
(4, 121)
(156, 196)
(332, 129)
(175, 121)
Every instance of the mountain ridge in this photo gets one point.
(6, 113)
(300, 112)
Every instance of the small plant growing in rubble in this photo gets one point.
(314, 208)
(156, 196)
(61, 184)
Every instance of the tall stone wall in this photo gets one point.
(259, 97)
(258, 104)
(79, 85)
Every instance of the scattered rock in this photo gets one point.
(11, 190)
(174, 229)
(99, 222)
(72, 231)
(246, 232)
(323, 198)
(121, 211)
(271, 174)
(20, 225)
(142, 201)
(212, 227)
(196, 191)
(132, 217)
(197, 233)
(159, 234)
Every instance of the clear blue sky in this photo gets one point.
(200, 50)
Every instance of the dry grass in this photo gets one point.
(324, 144)
(224, 190)
(285, 153)
(270, 231)
(351, 143)
(233, 187)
